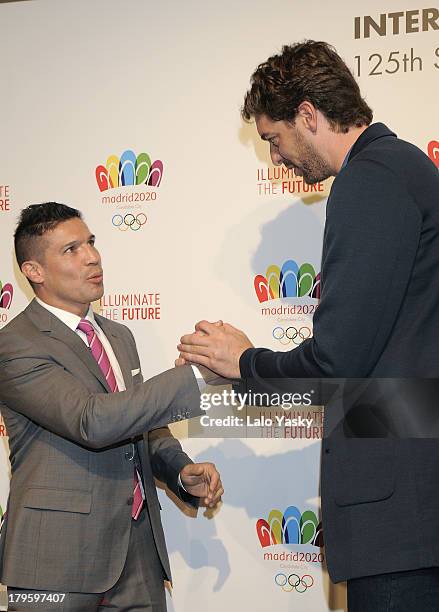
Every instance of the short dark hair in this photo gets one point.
(34, 222)
(311, 71)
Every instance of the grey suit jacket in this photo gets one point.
(69, 509)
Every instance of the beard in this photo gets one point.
(314, 168)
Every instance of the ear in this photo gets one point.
(33, 271)
(308, 114)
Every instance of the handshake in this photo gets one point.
(217, 346)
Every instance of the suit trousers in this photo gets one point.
(415, 590)
(140, 587)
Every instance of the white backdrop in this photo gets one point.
(85, 81)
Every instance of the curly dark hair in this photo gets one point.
(311, 71)
(34, 222)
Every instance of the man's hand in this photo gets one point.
(216, 346)
(203, 480)
(180, 361)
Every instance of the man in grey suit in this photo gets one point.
(87, 437)
(378, 318)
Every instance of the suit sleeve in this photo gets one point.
(33, 384)
(166, 455)
(372, 233)
(167, 460)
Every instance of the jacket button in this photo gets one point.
(130, 501)
(327, 450)
(128, 456)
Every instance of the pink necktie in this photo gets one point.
(99, 354)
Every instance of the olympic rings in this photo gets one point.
(129, 221)
(294, 582)
(292, 334)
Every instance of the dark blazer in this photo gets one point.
(378, 317)
(69, 508)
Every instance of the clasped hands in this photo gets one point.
(217, 346)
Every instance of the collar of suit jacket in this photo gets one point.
(47, 322)
(373, 132)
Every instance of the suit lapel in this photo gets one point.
(48, 324)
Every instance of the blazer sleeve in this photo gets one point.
(372, 233)
(33, 384)
(166, 455)
(167, 460)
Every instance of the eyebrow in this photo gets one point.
(76, 242)
(69, 244)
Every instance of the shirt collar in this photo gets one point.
(345, 161)
(68, 318)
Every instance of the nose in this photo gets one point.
(276, 157)
(92, 255)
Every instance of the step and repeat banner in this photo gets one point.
(129, 111)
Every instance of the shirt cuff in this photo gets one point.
(200, 382)
(180, 484)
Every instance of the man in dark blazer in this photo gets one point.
(87, 437)
(378, 317)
